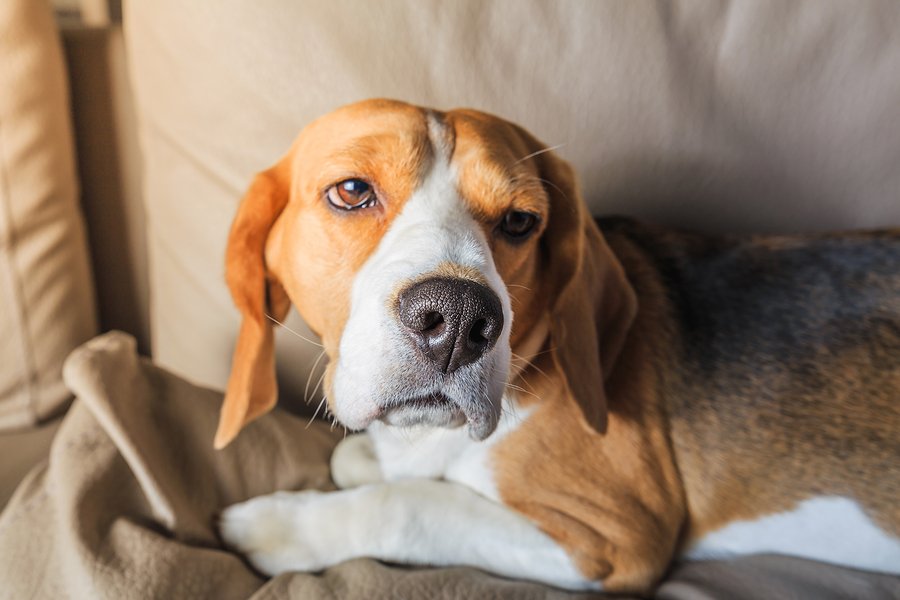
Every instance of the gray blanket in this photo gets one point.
(124, 508)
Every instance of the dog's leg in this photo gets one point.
(354, 462)
(420, 521)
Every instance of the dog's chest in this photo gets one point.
(436, 453)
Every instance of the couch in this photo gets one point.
(124, 148)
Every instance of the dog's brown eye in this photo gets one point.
(351, 194)
(517, 224)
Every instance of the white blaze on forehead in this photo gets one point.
(434, 227)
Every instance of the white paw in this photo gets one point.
(276, 532)
(354, 462)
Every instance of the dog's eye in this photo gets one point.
(351, 194)
(517, 224)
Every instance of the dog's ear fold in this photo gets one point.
(592, 303)
(252, 390)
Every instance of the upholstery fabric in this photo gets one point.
(125, 509)
(20, 452)
(46, 292)
(747, 116)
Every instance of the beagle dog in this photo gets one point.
(548, 397)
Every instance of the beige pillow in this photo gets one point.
(756, 116)
(46, 297)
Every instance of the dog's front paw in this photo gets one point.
(275, 533)
(354, 462)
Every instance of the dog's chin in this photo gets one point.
(414, 397)
(440, 410)
(435, 410)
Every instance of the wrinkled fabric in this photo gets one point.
(125, 507)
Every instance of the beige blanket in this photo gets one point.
(124, 508)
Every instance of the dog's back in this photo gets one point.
(781, 374)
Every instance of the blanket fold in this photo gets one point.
(124, 508)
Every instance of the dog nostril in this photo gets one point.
(477, 335)
(453, 322)
(432, 322)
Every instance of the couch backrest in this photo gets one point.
(756, 116)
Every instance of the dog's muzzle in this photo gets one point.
(451, 325)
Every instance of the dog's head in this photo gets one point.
(424, 248)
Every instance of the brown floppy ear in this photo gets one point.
(593, 305)
(252, 390)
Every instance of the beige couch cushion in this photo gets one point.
(46, 298)
(756, 116)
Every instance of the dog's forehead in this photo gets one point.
(397, 145)
(491, 160)
(378, 128)
(485, 137)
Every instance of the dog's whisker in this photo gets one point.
(487, 397)
(519, 285)
(521, 389)
(530, 387)
(312, 371)
(521, 360)
(554, 186)
(318, 384)
(539, 152)
(302, 337)
(526, 382)
(530, 363)
(315, 414)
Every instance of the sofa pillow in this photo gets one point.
(757, 116)
(46, 297)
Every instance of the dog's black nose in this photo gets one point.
(453, 321)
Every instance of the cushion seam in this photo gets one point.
(16, 294)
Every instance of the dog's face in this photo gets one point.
(424, 248)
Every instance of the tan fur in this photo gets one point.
(313, 257)
(615, 471)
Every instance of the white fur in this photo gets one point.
(437, 453)
(376, 361)
(416, 521)
(354, 462)
(411, 517)
(828, 528)
(467, 533)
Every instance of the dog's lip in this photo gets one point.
(432, 400)
(479, 423)
(426, 401)
(435, 408)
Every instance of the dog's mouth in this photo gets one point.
(435, 410)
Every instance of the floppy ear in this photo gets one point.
(593, 305)
(252, 390)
